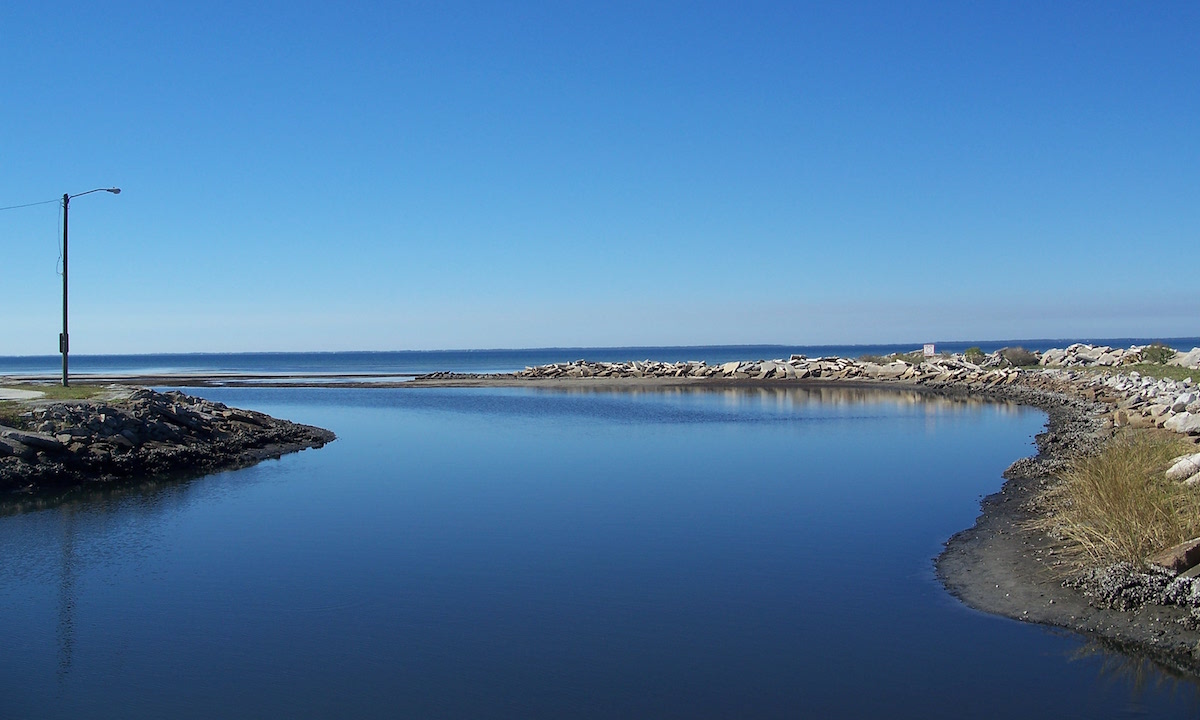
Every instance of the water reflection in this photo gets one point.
(791, 397)
(66, 593)
(1143, 671)
(140, 495)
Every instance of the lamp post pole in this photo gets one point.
(64, 340)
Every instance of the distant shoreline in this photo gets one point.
(407, 363)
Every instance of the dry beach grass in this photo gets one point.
(1116, 505)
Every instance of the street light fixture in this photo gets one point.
(64, 342)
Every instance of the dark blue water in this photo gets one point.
(486, 361)
(525, 553)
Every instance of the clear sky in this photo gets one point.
(395, 175)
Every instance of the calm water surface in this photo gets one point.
(516, 553)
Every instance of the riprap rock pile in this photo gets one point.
(1147, 402)
(939, 369)
(1083, 355)
(148, 434)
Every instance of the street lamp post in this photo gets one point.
(64, 341)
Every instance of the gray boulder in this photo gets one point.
(1184, 467)
(32, 439)
(1188, 360)
(1184, 422)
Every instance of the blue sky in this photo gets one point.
(385, 176)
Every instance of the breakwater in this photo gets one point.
(1124, 398)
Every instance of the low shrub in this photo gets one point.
(974, 355)
(1019, 356)
(1158, 353)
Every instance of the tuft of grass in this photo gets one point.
(10, 413)
(974, 355)
(1117, 505)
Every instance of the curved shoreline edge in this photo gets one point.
(1003, 566)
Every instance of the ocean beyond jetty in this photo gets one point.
(144, 434)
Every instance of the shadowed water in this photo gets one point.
(515, 553)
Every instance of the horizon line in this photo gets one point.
(549, 348)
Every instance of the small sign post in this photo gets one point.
(929, 350)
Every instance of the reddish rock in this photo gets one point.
(1179, 558)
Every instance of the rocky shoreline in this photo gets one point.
(139, 434)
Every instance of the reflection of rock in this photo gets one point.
(150, 433)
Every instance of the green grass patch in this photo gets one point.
(58, 392)
(10, 413)
(1118, 505)
(1154, 370)
(916, 357)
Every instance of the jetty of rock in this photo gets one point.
(1082, 355)
(150, 433)
(1128, 398)
(939, 369)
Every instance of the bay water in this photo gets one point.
(531, 553)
